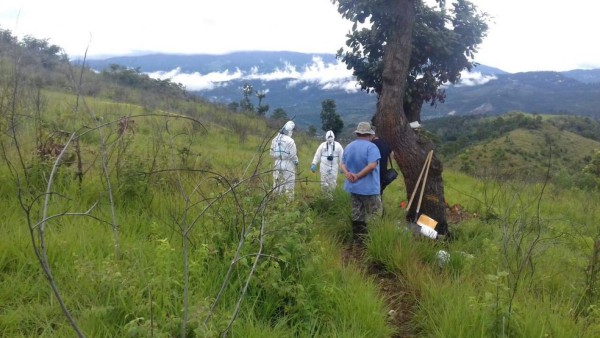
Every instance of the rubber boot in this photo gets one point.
(359, 231)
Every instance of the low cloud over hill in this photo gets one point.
(299, 82)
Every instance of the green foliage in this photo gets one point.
(261, 109)
(593, 167)
(134, 78)
(279, 114)
(584, 126)
(528, 260)
(455, 133)
(278, 277)
(444, 43)
(517, 146)
(246, 103)
(233, 106)
(132, 182)
(330, 120)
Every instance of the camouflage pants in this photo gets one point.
(365, 207)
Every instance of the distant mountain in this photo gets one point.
(487, 70)
(299, 82)
(262, 62)
(585, 76)
(532, 92)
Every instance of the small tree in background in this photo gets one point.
(590, 173)
(233, 106)
(593, 166)
(245, 103)
(330, 120)
(261, 109)
(312, 130)
(279, 114)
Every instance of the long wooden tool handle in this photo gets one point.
(414, 193)
(412, 196)
(427, 163)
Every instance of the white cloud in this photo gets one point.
(289, 71)
(329, 76)
(197, 81)
(474, 79)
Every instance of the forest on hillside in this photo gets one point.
(43, 64)
(454, 133)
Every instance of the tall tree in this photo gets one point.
(406, 53)
(330, 119)
(261, 109)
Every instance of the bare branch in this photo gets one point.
(250, 275)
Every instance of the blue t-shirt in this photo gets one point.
(357, 155)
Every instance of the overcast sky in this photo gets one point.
(524, 35)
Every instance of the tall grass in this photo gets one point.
(205, 249)
(517, 266)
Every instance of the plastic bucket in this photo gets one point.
(428, 232)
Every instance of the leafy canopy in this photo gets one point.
(444, 42)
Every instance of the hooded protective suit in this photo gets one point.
(329, 154)
(283, 152)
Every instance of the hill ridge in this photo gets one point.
(312, 78)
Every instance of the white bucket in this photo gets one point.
(429, 232)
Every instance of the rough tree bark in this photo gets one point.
(410, 148)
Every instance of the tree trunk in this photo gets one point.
(412, 110)
(410, 148)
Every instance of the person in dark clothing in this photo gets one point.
(385, 152)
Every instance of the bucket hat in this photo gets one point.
(364, 128)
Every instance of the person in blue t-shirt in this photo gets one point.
(360, 164)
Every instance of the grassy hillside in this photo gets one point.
(518, 145)
(521, 153)
(133, 212)
(187, 231)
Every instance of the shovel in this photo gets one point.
(422, 223)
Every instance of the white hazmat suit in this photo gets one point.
(283, 152)
(329, 154)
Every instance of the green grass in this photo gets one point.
(512, 272)
(196, 196)
(526, 154)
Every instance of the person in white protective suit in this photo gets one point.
(329, 154)
(283, 152)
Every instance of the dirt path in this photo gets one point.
(393, 289)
